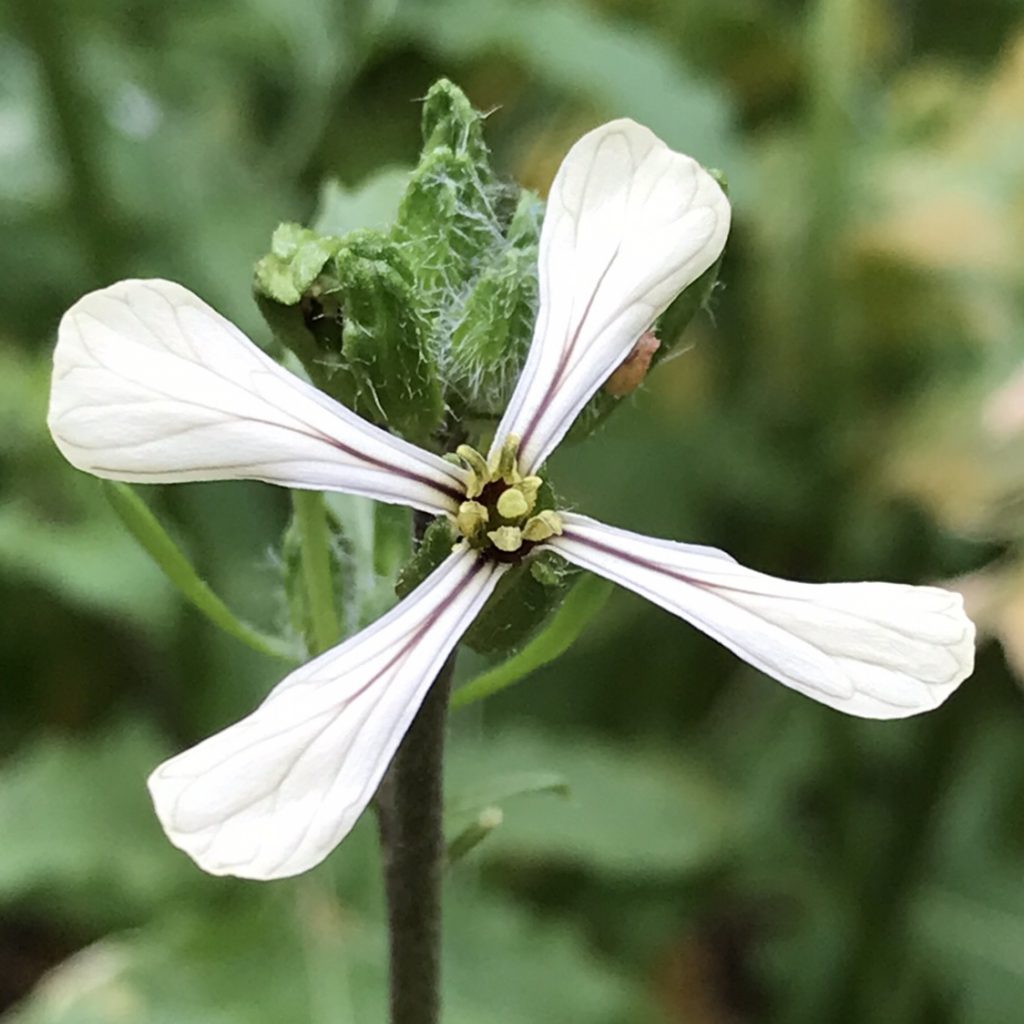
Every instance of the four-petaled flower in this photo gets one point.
(152, 385)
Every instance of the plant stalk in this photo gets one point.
(315, 537)
(410, 806)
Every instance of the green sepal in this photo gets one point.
(523, 599)
(492, 332)
(434, 547)
(584, 600)
(357, 325)
(449, 121)
(673, 322)
(312, 330)
(446, 223)
(392, 547)
(296, 258)
(385, 337)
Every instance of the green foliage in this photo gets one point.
(78, 829)
(686, 819)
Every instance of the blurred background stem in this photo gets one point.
(48, 28)
(835, 33)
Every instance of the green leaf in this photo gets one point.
(473, 834)
(476, 811)
(628, 812)
(89, 561)
(294, 951)
(146, 529)
(586, 598)
(477, 795)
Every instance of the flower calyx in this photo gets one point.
(500, 514)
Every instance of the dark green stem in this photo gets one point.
(412, 835)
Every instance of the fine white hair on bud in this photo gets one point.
(629, 225)
(273, 794)
(876, 650)
(152, 385)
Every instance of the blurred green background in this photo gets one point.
(728, 852)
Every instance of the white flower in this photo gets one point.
(152, 385)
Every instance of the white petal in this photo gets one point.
(273, 794)
(878, 650)
(151, 385)
(629, 225)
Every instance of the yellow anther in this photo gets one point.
(542, 526)
(507, 538)
(471, 519)
(513, 504)
(506, 466)
(479, 474)
(530, 486)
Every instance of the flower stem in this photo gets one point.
(311, 519)
(412, 835)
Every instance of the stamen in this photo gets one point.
(471, 519)
(513, 504)
(543, 525)
(479, 473)
(497, 493)
(530, 486)
(507, 538)
(507, 465)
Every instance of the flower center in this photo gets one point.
(503, 513)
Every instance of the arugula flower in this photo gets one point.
(151, 385)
